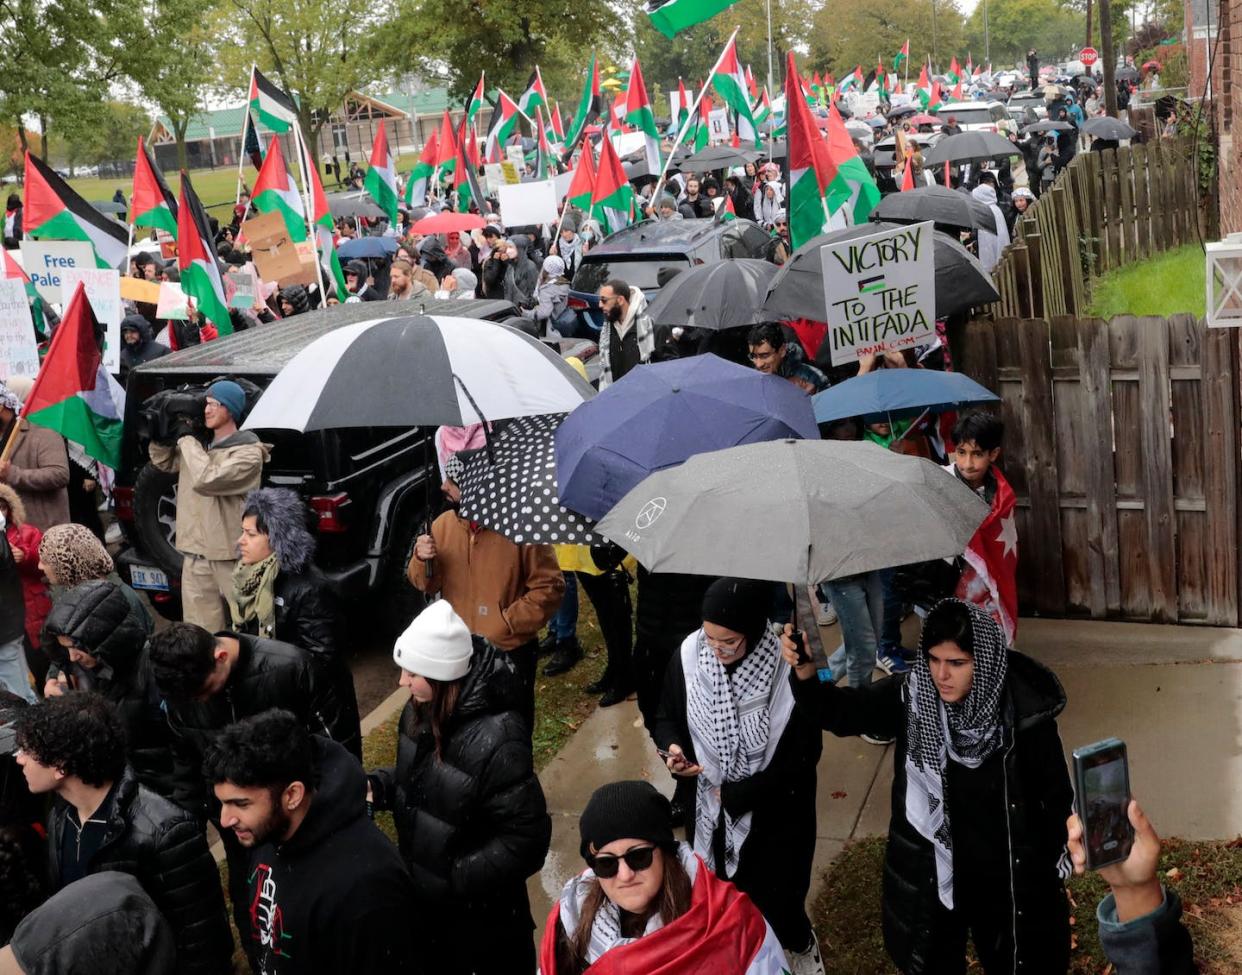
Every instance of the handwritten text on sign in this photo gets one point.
(880, 292)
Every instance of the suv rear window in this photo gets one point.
(637, 272)
(968, 116)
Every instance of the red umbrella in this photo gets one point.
(1152, 64)
(446, 222)
(923, 120)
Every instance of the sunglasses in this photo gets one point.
(637, 858)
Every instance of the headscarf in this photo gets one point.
(991, 245)
(968, 732)
(74, 555)
(765, 208)
(553, 267)
(467, 282)
(254, 595)
(10, 399)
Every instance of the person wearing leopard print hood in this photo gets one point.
(981, 795)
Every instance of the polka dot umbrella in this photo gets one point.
(514, 492)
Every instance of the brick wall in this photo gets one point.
(1229, 113)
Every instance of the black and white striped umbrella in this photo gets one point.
(514, 492)
(417, 370)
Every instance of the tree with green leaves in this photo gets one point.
(1015, 26)
(859, 32)
(112, 137)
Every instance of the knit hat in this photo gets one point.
(625, 810)
(436, 645)
(229, 395)
(74, 555)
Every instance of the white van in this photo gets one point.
(976, 116)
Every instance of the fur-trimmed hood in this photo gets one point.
(283, 514)
(10, 497)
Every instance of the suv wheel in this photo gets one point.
(155, 518)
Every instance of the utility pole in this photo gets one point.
(935, 57)
(987, 40)
(1109, 58)
(1088, 41)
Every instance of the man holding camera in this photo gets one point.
(212, 484)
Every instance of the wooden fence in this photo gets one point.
(1121, 442)
(1106, 209)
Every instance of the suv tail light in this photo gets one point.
(123, 499)
(578, 304)
(330, 512)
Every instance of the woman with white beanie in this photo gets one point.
(472, 823)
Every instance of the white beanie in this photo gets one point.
(436, 645)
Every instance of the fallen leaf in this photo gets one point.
(1173, 873)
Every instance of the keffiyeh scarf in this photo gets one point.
(968, 732)
(254, 594)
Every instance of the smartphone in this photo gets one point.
(1102, 787)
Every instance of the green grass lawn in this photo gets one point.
(1164, 285)
(1207, 876)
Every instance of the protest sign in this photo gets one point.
(103, 290)
(494, 175)
(880, 292)
(245, 289)
(276, 257)
(562, 182)
(718, 124)
(139, 289)
(46, 260)
(19, 353)
(529, 203)
(514, 154)
(862, 103)
(510, 172)
(172, 303)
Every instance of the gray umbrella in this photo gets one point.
(797, 291)
(1107, 127)
(970, 147)
(719, 157)
(845, 508)
(936, 203)
(1048, 125)
(723, 294)
(353, 205)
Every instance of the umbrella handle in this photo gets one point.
(487, 435)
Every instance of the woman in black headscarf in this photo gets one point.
(981, 794)
(727, 720)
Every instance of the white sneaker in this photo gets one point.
(826, 615)
(807, 962)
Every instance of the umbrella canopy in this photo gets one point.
(369, 247)
(1107, 127)
(658, 415)
(1151, 64)
(446, 222)
(353, 205)
(797, 291)
(417, 370)
(1126, 73)
(938, 204)
(970, 147)
(844, 508)
(903, 111)
(924, 119)
(897, 390)
(109, 206)
(514, 491)
(723, 294)
(719, 157)
(1047, 125)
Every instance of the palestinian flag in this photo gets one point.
(465, 171)
(73, 393)
(151, 203)
(37, 315)
(275, 192)
(954, 74)
(637, 112)
(534, 96)
(730, 84)
(683, 107)
(612, 201)
(922, 87)
(726, 211)
(419, 182)
(381, 178)
(817, 88)
(556, 126)
(53, 211)
(902, 56)
(934, 100)
(970, 68)
(588, 104)
(854, 80)
(543, 151)
(270, 105)
(196, 259)
(703, 132)
(446, 149)
(751, 88)
(252, 148)
(852, 192)
(582, 186)
(670, 17)
(956, 94)
(505, 116)
(325, 230)
(477, 99)
(762, 109)
(810, 168)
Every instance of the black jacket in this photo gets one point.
(146, 349)
(334, 897)
(472, 825)
(1032, 783)
(268, 674)
(669, 608)
(103, 620)
(165, 848)
(12, 602)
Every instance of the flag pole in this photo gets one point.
(241, 149)
(308, 207)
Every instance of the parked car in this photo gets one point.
(366, 489)
(1033, 100)
(987, 116)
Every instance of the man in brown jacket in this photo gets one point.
(38, 468)
(505, 592)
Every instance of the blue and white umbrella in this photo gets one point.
(888, 391)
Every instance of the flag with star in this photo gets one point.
(990, 579)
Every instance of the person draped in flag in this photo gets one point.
(647, 903)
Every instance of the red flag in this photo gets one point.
(989, 580)
(907, 176)
(446, 145)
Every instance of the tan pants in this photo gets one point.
(203, 585)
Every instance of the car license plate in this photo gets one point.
(145, 577)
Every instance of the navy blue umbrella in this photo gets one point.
(895, 390)
(660, 415)
(369, 247)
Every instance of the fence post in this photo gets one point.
(1142, 198)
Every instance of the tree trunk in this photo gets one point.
(43, 127)
(21, 137)
(1109, 58)
(183, 156)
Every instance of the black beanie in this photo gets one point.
(740, 605)
(622, 810)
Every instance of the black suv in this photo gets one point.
(364, 487)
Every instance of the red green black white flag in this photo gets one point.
(53, 211)
(196, 259)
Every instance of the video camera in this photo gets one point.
(172, 413)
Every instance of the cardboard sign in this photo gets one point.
(19, 353)
(275, 255)
(530, 203)
(173, 302)
(880, 292)
(139, 289)
(46, 260)
(494, 175)
(510, 172)
(103, 289)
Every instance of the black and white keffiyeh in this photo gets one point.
(736, 721)
(968, 732)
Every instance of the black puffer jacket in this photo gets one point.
(103, 621)
(472, 825)
(145, 350)
(1034, 788)
(166, 850)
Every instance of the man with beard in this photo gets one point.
(627, 339)
(505, 592)
(326, 891)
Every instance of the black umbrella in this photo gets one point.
(515, 491)
(903, 111)
(1126, 73)
(779, 150)
(723, 294)
(942, 206)
(797, 291)
(353, 205)
(1048, 125)
(1107, 127)
(108, 206)
(969, 147)
(720, 157)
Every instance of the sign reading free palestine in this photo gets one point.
(880, 292)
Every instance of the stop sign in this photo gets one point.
(1088, 56)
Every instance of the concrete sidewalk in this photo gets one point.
(1170, 692)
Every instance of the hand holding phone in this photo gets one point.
(677, 763)
(1102, 800)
